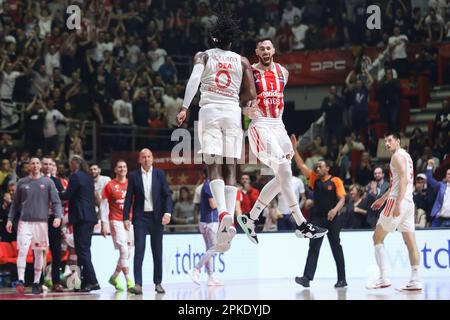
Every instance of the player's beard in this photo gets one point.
(266, 61)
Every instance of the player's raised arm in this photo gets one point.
(248, 90)
(200, 59)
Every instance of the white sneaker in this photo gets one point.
(223, 234)
(412, 285)
(214, 282)
(379, 284)
(195, 275)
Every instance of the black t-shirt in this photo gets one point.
(105, 105)
(141, 113)
(34, 124)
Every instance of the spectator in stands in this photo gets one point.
(426, 60)
(418, 32)
(344, 157)
(364, 170)
(52, 117)
(359, 102)
(289, 12)
(34, 124)
(314, 38)
(156, 55)
(441, 145)
(9, 73)
(267, 31)
(318, 151)
(423, 197)
(421, 164)
(284, 38)
(250, 194)
(123, 110)
(416, 144)
(331, 34)
(8, 197)
(442, 120)
(440, 213)
(6, 146)
(299, 31)
(172, 105)
(397, 46)
(434, 23)
(357, 208)
(389, 90)
(377, 188)
(333, 107)
(168, 71)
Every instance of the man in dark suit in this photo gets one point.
(151, 199)
(54, 234)
(80, 194)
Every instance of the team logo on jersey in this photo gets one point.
(330, 188)
(42, 186)
(27, 187)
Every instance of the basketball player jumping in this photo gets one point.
(397, 214)
(226, 81)
(270, 142)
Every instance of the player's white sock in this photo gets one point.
(218, 191)
(380, 257)
(285, 174)
(268, 192)
(21, 264)
(38, 262)
(230, 199)
(415, 273)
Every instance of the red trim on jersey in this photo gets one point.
(259, 88)
(281, 89)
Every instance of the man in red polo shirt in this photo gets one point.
(249, 194)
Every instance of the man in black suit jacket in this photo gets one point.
(81, 197)
(54, 234)
(149, 196)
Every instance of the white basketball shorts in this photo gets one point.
(403, 223)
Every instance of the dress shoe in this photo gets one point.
(90, 287)
(137, 289)
(159, 288)
(57, 288)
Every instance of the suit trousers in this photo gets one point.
(149, 223)
(82, 236)
(334, 229)
(54, 238)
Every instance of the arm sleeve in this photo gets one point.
(15, 204)
(56, 201)
(193, 83)
(340, 190)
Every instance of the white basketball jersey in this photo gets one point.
(395, 179)
(221, 78)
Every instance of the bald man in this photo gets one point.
(149, 196)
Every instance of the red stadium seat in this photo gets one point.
(9, 252)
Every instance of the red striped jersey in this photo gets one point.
(115, 193)
(269, 89)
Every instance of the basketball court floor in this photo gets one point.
(273, 289)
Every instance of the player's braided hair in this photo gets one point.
(226, 29)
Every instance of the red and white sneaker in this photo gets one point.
(412, 285)
(379, 284)
(226, 230)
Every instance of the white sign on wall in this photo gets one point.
(281, 255)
